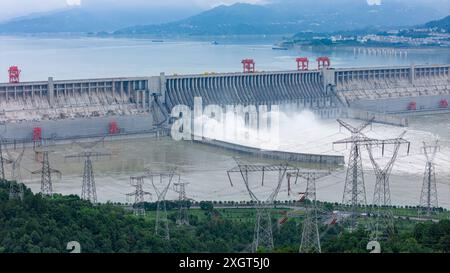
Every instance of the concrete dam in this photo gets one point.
(144, 103)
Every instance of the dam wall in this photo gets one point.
(390, 90)
(322, 91)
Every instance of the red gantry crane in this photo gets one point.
(323, 63)
(14, 74)
(302, 63)
(248, 65)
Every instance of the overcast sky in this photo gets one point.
(12, 8)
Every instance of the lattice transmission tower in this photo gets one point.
(354, 190)
(183, 209)
(263, 236)
(429, 195)
(2, 163)
(88, 188)
(384, 224)
(161, 186)
(16, 190)
(310, 240)
(138, 194)
(46, 174)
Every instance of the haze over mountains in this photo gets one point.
(276, 17)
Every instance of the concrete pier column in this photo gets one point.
(137, 98)
(329, 79)
(143, 99)
(113, 87)
(122, 95)
(50, 91)
(412, 74)
(162, 83)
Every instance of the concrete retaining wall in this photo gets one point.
(400, 105)
(277, 155)
(77, 128)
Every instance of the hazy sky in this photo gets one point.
(12, 8)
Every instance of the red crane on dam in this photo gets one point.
(323, 63)
(248, 65)
(412, 106)
(302, 63)
(14, 74)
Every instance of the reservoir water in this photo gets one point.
(81, 57)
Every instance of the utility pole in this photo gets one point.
(161, 188)
(139, 195)
(384, 225)
(310, 240)
(46, 175)
(429, 195)
(263, 236)
(183, 215)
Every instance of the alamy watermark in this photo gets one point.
(258, 125)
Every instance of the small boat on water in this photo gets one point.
(279, 48)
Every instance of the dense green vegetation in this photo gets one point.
(39, 224)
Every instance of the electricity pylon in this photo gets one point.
(310, 241)
(162, 223)
(3, 161)
(139, 195)
(384, 225)
(46, 175)
(263, 236)
(354, 190)
(183, 215)
(88, 189)
(429, 196)
(16, 187)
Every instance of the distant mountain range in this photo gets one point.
(88, 19)
(290, 17)
(441, 24)
(281, 17)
